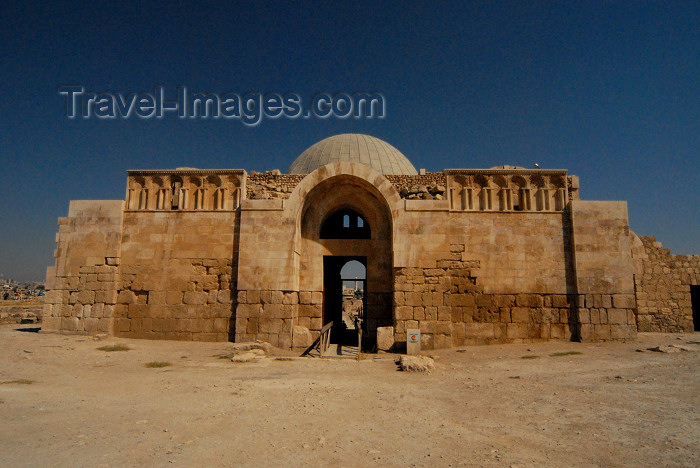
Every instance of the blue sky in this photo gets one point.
(608, 90)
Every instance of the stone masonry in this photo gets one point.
(454, 310)
(662, 284)
(468, 256)
(84, 283)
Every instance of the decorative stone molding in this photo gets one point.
(185, 190)
(531, 190)
(510, 190)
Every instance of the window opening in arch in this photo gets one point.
(345, 224)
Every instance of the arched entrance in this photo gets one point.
(346, 219)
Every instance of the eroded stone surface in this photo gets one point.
(385, 338)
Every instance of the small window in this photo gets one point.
(339, 226)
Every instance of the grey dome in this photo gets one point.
(353, 147)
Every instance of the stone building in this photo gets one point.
(466, 255)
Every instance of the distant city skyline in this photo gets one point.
(607, 90)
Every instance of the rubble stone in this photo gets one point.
(416, 364)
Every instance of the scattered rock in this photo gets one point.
(253, 355)
(249, 352)
(416, 364)
(248, 346)
(670, 349)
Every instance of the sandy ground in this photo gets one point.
(484, 406)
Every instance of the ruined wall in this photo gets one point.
(271, 185)
(26, 312)
(82, 286)
(178, 275)
(604, 270)
(274, 185)
(662, 288)
(430, 186)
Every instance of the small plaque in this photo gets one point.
(413, 341)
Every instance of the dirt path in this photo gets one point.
(485, 406)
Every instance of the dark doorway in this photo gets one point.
(695, 302)
(345, 292)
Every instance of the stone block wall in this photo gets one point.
(82, 286)
(450, 308)
(270, 315)
(195, 306)
(508, 318)
(603, 270)
(217, 266)
(604, 317)
(517, 252)
(178, 276)
(379, 313)
(662, 284)
(434, 300)
(266, 250)
(310, 311)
